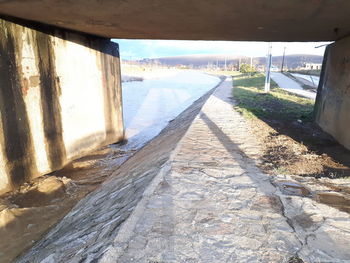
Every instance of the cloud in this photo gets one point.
(160, 48)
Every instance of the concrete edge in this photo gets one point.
(113, 253)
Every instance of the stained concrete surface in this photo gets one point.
(333, 100)
(273, 20)
(50, 78)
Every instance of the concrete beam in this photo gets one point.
(60, 97)
(266, 20)
(332, 107)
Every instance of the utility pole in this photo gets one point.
(268, 69)
(284, 54)
(225, 65)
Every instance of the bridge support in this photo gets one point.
(60, 97)
(332, 107)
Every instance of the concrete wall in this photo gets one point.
(60, 97)
(332, 107)
(258, 20)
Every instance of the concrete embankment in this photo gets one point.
(92, 225)
(205, 201)
(212, 203)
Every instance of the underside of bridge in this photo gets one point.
(272, 20)
(53, 52)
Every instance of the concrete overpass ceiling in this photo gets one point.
(258, 20)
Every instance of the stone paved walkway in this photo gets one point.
(212, 204)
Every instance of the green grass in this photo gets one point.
(278, 104)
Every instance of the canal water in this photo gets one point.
(149, 105)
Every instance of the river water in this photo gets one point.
(149, 105)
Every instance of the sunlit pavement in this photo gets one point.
(291, 86)
(314, 80)
(211, 203)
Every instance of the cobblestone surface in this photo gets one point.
(212, 204)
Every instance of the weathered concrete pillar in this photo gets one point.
(332, 107)
(60, 97)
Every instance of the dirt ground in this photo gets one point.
(301, 148)
(309, 156)
(297, 147)
(284, 124)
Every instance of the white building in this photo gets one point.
(310, 66)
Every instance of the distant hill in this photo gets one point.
(292, 61)
(198, 61)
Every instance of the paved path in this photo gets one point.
(212, 204)
(290, 85)
(313, 80)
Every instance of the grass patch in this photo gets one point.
(291, 142)
(279, 105)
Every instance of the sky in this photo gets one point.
(139, 49)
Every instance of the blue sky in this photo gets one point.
(138, 49)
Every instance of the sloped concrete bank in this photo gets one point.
(208, 201)
(85, 232)
(212, 203)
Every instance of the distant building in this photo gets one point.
(274, 68)
(310, 66)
